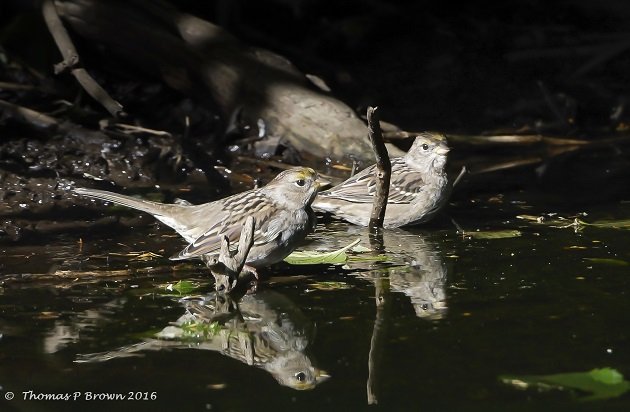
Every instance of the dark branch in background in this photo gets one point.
(37, 120)
(228, 266)
(383, 170)
(71, 61)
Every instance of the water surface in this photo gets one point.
(452, 313)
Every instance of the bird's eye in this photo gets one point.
(300, 182)
(425, 147)
(300, 376)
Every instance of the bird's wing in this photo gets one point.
(236, 209)
(405, 184)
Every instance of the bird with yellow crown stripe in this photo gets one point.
(281, 211)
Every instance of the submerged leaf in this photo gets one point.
(329, 285)
(368, 258)
(312, 258)
(493, 234)
(601, 383)
(200, 330)
(608, 376)
(609, 224)
(182, 287)
(146, 256)
(608, 261)
(361, 249)
(553, 220)
(531, 218)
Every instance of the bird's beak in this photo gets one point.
(322, 376)
(321, 183)
(442, 150)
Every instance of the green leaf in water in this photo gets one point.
(198, 330)
(368, 258)
(314, 258)
(493, 234)
(608, 261)
(608, 376)
(601, 383)
(182, 287)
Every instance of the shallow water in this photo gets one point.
(455, 313)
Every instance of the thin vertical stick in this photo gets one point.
(383, 170)
(381, 287)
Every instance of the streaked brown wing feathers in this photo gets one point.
(405, 184)
(238, 208)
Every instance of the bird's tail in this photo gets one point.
(154, 208)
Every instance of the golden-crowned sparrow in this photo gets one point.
(418, 187)
(281, 210)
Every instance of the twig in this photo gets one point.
(228, 266)
(383, 170)
(607, 53)
(458, 228)
(460, 176)
(264, 162)
(499, 140)
(324, 179)
(399, 135)
(71, 61)
(235, 263)
(381, 286)
(15, 86)
(557, 112)
(41, 121)
(130, 129)
(28, 116)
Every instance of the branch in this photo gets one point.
(71, 61)
(228, 266)
(236, 262)
(381, 286)
(383, 170)
(28, 116)
(44, 122)
(459, 177)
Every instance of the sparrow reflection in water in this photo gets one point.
(265, 330)
(418, 269)
(423, 279)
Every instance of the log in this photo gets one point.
(195, 56)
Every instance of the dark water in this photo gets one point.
(455, 314)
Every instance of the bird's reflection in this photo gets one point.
(417, 267)
(423, 279)
(265, 330)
